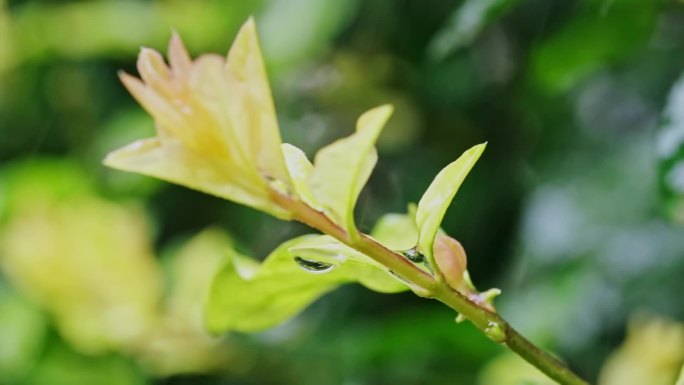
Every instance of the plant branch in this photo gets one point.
(490, 323)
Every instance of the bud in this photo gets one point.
(451, 260)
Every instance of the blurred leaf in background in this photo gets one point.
(23, 328)
(42, 30)
(509, 369)
(653, 353)
(6, 41)
(178, 342)
(600, 34)
(61, 365)
(89, 263)
(465, 24)
(564, 211)
(680, 381)
(670, 147)
(62, 246)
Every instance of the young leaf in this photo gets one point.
(216, 125)
(436, 200)
(149, 157)
(300, 170)
(261, 133)
(246, 297)
(343, 167)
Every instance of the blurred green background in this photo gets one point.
(575, 209)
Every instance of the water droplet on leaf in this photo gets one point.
(311, 266)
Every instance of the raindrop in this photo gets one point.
(414, 255)
(315, 267)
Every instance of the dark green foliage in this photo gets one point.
(574, 210)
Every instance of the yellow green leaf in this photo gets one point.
(300, 170)
(396, 231)
(342, 168)
(249, 297)
(436, 199)
(355, 265)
